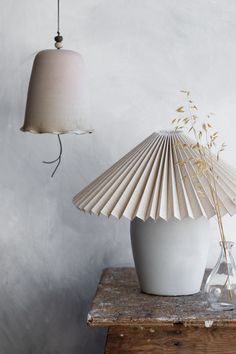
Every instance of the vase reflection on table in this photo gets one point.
(220, 286)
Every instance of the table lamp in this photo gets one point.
(168, 204)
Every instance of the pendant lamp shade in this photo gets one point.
(54, 94)
(150, 182)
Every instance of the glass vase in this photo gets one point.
(220, 286)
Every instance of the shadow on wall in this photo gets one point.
(49, 319)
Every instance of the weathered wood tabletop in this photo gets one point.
(141, 323)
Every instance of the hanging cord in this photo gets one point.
(58, 38)
(58, 16)
(58, 158)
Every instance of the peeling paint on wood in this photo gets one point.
(141, 323)
(119, 302)
(208, 324)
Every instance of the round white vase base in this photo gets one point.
(170, 257)
(155, 291)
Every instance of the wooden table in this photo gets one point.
(141, 323)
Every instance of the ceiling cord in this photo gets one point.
(58, 16)
(58, 38)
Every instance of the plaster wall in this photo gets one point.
(138, 55)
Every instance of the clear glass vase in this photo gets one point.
(220, 286)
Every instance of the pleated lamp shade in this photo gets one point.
(54, 94)
(150, 182)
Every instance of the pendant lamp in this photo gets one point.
(55, 92)
(168, 204)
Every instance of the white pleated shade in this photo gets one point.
(54, 94)
(149, 182)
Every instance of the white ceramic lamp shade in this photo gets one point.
(55, 93)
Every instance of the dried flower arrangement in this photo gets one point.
(205, 142)
(207, 156)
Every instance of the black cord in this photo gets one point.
(58, 38)
(57, 159)
(58, 17)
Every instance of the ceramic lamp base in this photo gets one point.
(170, 257)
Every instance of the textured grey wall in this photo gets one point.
(138, 54)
